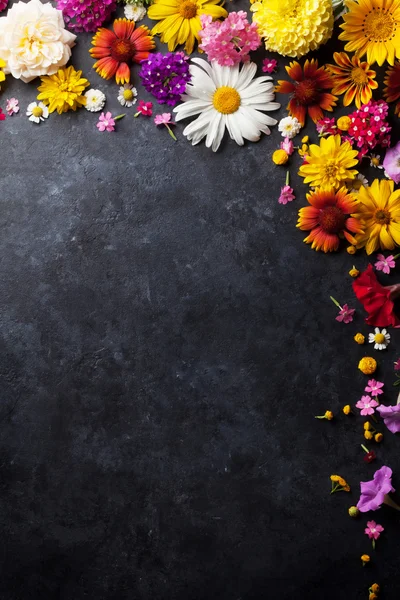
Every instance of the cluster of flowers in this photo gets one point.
(87, 15)
(165, 76)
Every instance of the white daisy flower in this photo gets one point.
(375, 161)
(289, 127)
(381, 339)
(134, 13)
(225, 97)
(37, 112)
(357, 183)
(127, 95)
(95, 100)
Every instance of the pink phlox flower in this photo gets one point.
(373, 492)
(106, 122)
(326, 126)
(287, 146)
(390, 416)
(164, 119)
(144, 108)
(345, 314)
(287, 195)
(374, 387)
(367, 405)
(385, 264)
(12, 106)
(373, 530)
(269, 65)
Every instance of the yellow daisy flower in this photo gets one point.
(63, 90)
(329, 165)
(372, 27)
(379, 212)
(180, 20)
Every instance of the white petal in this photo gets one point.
(202, 120)
(246, 75)
(213, 131)
(190, 108)
(234, 129)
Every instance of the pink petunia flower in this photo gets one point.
(367, 405)
(106, 122)
(390, 416)
(287, 146)
(144, 108)
(374, 492)
(269, 65)
(12, 106)
(287, 195)
(391, 163)
(385, 264)
(374, 387)
(345, 314)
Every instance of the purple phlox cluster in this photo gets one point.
(369, 127)
(165, 76)
(228, 42)
(86, 15)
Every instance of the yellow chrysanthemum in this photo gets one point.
(379, 212)
(372, 27)
(330, 163)
(2, 65)
(180, 20)
(293, 27)
(63, 90)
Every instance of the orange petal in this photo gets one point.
(123, 74)
(295, 71)
(315, 112)
(123, 28)
(104, 37)
(106, 67)
(297, 111)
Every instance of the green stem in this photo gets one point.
(335, 302)
(171, 133)
(373, 544)
(364, 448)
(287, 177)
(374, 418)
(396, 257)
(118, 117)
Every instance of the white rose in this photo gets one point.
(34, 41)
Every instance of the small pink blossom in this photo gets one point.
(373, 530)
(367, 405)
(374, 387)
(2, 115)
(3, 5)
(397, 365)
(12, 106)
(269, 65)
(164, 119)
(144, 108)
(385, 264)
(345, 314)
(326, 126)
(287, 195)
(287, 146)
(106, 122)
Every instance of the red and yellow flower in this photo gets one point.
(391, 92)
(117, 49)
(328, 218)
(353, 78)
(308, 90)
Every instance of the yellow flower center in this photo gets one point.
(375, 161)
(226, 100)
(330, 169)
(379, 338)
(128, 95)
(37, 111)
(188, 9)
(359, 76)
(382, 216)
(379, 25)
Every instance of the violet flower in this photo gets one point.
(374, 492)
(390, 416)
(165, 76)
(391, 163)
(86, 15)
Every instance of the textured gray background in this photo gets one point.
(166, 340)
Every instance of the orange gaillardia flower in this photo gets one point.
(328, 218)
(117, 49)
(352, 78)
(391, 92)
(308, 90)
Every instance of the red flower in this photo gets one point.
(370, 457)
(309, 90)
(376, 299)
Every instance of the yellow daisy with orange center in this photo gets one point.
(352, 78)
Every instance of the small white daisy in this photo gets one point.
(37, 112)
(134, 13)
(289, 127)
(95, 100)
(357, 183)
(375, 161)
(381, 339)
(226, 98)
(127, 95)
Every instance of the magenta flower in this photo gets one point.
(391, 163)
(367, 405)
(144, 108)
(86, 15)
(3, 5)
(165, 119)
(12, 106)
(390, 416)
(345, 314)
(286, 195)
(385, 264)
(269, 65)
(374, 387)
(106, 122)
(397, 365)
(373, 530)
(373, 492)
(287, 146)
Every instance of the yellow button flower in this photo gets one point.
(354, 272)
(367, 365)
(368, 435)
(346, 409)
(280, 157)
(343, 123)
(359, 338)
(365, 559)
(351, 249)
(378, 437)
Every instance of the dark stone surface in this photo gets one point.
(166, 342)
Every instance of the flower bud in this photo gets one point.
(280, 157)
(353, 511)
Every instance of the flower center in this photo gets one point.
(226, 100)
(122, 50)
(128, 95)
(188, 9)
(356, 184)
(37, 111)
(382, 216)
(359, 76)
(379, 25)
(306, 92)
(330, 169)
(379, 338)
(375, 161)
(331, 219)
